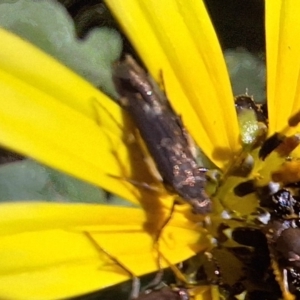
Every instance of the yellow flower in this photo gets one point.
(54, 116)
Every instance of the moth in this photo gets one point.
(164, 134)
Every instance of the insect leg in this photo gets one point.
(135, 290)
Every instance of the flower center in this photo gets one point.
(262, 168)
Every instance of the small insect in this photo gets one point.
(245, 102)
(163, 133)
(253, 131)
(252, 120)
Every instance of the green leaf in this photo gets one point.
(48, 25)
(247, 73)
(29, 180)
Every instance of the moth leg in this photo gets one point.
(99, 106)
(143, 185)
(285, 287)
(128, 135)
(156, 281)
(166, 221)
(135, 289)
(179, 275)
(177, 272)
(147, 157)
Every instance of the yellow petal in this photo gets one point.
(176, 39)
(283, 61)
(51, 114)
(48, 244)
(33, 66)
